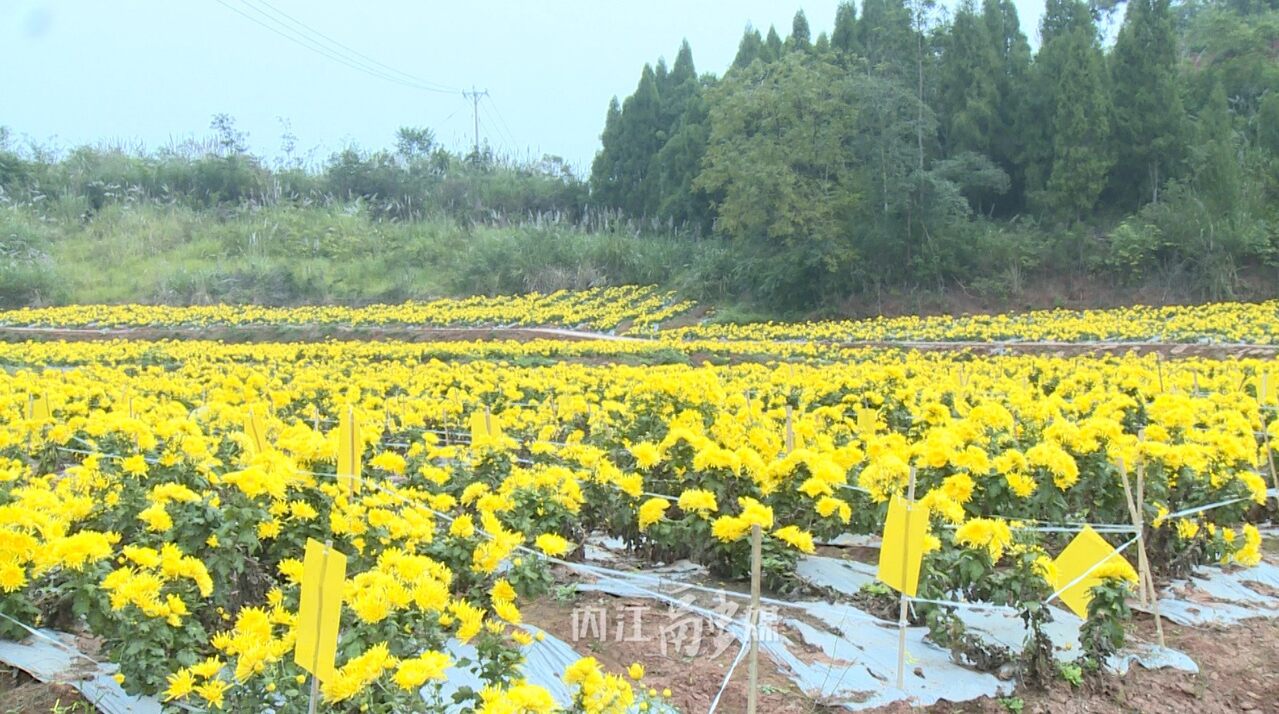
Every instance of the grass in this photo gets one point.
(316, 254)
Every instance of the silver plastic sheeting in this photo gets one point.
(1008, 629)
(846, 576)
(544, 665)
(858, 666)
(49, 662)
(1222, 597)
(858, 669)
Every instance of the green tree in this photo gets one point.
(969, 84)
(886, 37)
(1004, 30)
(801, 37)
(843, 39)
(749, 49)
(969, 100)
(1149, 117)
(780, 160)
(1080, 127)
(1065, 119)
(606, 169)
(773, 45)
(642, 137)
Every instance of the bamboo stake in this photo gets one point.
(757, 557)
(1145, 579)
(1270, 458)
(901, 613)
(790, 429)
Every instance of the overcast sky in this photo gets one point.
(155, 71)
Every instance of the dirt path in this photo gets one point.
(1071, 349)
(306, 333)
(319, 333)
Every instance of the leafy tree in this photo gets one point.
(885, 36)
(773, 45)
(970, 74)
(606, 169)
(1149, 117)
(800, 35)
(971, 70)
(1004, 31)
(779, 158)
(749, 49)
(414, 142)
(843, 39)
(641, 136)
(1080, 127)
(1064, 124)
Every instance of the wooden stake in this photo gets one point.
(901, 614)
(757, 558)
(1145, 579)
(315, 695)
(790, 429)
(1270, 456)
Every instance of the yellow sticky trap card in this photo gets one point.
(484, 428)
(350, 452)
(1267, 389)
(255, 429)
(902, 552)
(867, 422)
(320, 610)
(39, 409)
(1086, 551)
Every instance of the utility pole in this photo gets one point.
(475, 97)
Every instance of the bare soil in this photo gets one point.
(277, 333)
(22, 694)
(1239, 670)
(301, 333)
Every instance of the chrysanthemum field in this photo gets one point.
(137, 509)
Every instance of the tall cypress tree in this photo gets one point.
(1004, 30)
(606, 169)
(1072, 68)
(822, 44)
(886, 37)
(968, 90)
(749, 49)
(969, 84)
(1217, 172)
(1149, 117)
(801, 37)
(641, 138)
(1064, 120)
(773, 45)
(843, 39)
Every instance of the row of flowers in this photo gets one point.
(596, 308)
(1227, 322)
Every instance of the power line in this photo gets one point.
(319, 48)
(502, 124)
(351, 50)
